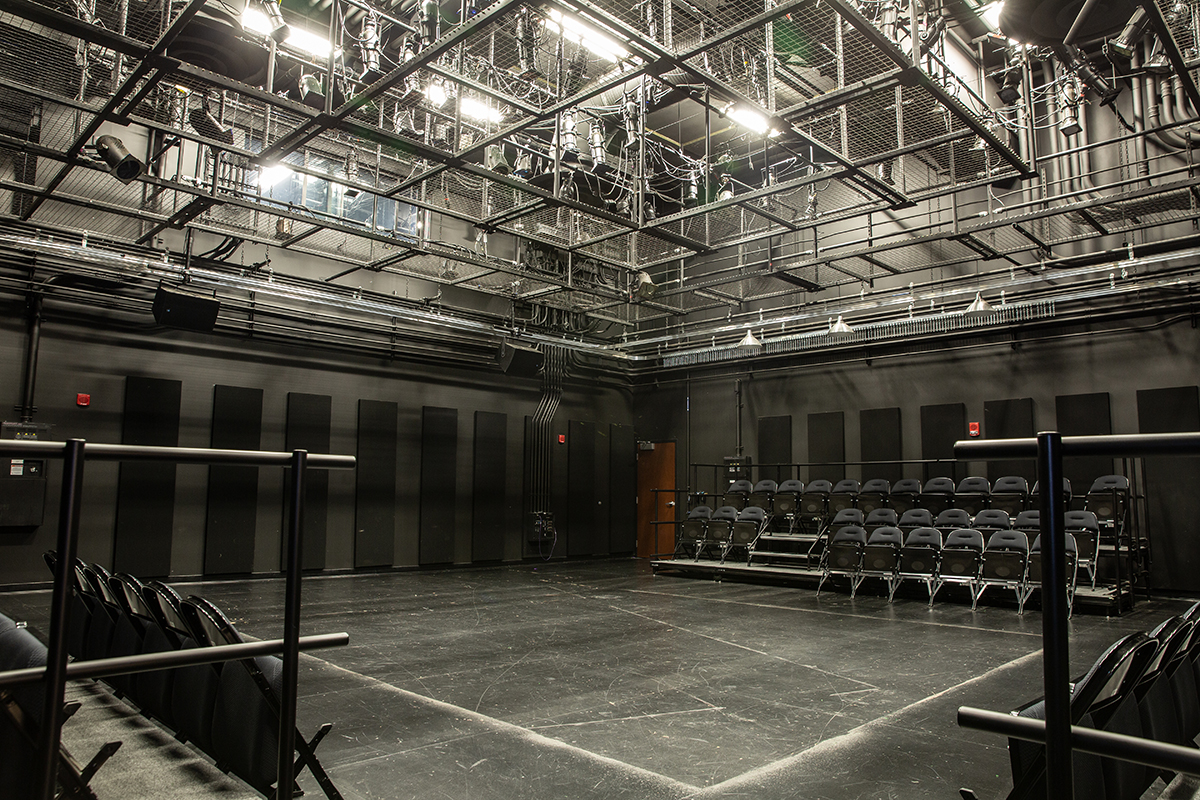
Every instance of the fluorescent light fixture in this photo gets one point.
(574, 30)
(256, 21)
(436, 94)
(269, 176)
(470, 107)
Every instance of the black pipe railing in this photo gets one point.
(1049, 448)
(74, 453)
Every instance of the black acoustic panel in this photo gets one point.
(489, 486)
(1084, 415)
(622, 489)
(439, 475)
(308, 428)
(775, 447)
(880, 440)
(581, 488)
(375, 484)
(1172, 502)
(146, 492)
(942, 426)
(826, 444)
(1010, 419)
(233, 491)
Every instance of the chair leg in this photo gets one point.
(821, 583)
(934, 584)
(975, 595)
(893, 585)
(855, 582)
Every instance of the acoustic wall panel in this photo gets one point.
(1084, 415)
(622, 489)
(1010, 419)
(308, 428)
(375, 484)
(146, 491)
(879, 440)
(775, 447)
(581, 488)
(1172, 504)
(232, 490)
(827, 444)
(942, 426)
(489, 486)
(439, 478)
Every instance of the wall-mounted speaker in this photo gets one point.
(520, 360)
(191, 312)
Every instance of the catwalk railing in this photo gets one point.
(1057, 732)
(74, 453)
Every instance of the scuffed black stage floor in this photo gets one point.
(573, 681)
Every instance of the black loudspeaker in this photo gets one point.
(520, 360)
(191, 312)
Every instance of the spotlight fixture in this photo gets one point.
(495, 161)
(725, 188)
(1074, 58)
(646, 288)
(1008, 91)
(206, 124)
(1069, 125)
(1133, 32)
(978, 306)
(750, 340)
(123, 166)
(278, 30)
(427, 19)
(1157, 64)
(470, 107)
(839, 329)
(436, 94)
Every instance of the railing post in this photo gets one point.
(291, 629)
(1055, 665)
(60, 608)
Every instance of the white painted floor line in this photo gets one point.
(864, 617)
(849, 738)
(609, 720)
(525, 734)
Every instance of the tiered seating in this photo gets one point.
(230, 711)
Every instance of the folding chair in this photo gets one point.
(787, 498)
(919, 559)
(873, 495)
(904, 494)
(844, 556)
(1005, 561)
(736, 494)
(962, 558)
(763, 495)
(692, 531)
(718, 530)
(937, 495)
(952, 519)
(750, 522)
(844, 495)
(881, 557)
(880, 518)
(992, 519)
(814, 505)
(972, 494)
(246, 714)
(1010, 493)
(1084, 526)
(1033, 575)
(915, 518)
(1029, 521)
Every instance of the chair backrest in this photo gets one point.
(1066, 488)
(964, 539)
(700, 512)
(1108, 483)
(751, 514)
(818, 487)
(1008, 541)
(766, 485)
(1069, 544)
(882, 516)
(938, 486)
(848, 486)
(952, 518)
(1081, 521)
(907, 486)
(993, 519)
(916, 518)
(887, 535)
(725, 512)
(848, 516)
(791, 485)
(740, 487)
(1113, 674)
(1010, 484)
(924, 537)
(1028, 520)
(850, 534)
(974, 485)
(876, 485)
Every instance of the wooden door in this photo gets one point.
(656, 470)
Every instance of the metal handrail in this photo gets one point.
(74, 453)
(1050, 448)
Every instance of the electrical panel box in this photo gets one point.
(22, 493)
(737, 468)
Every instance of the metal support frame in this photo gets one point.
(74, 453)
(1050, 448)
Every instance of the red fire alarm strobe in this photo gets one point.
(83, 400)
(973, 429)
(562, 438)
